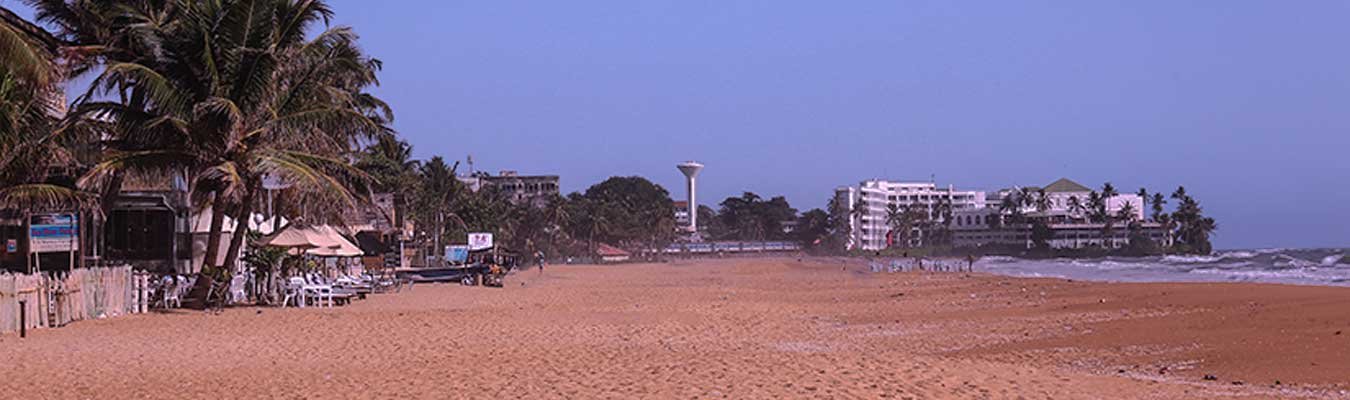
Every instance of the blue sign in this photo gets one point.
(458, 253)
(53, 233)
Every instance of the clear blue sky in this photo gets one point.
(1246, 103)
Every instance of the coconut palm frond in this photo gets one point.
(227, 177)
(296, 18)
(22, 58)
(41, 197)
(143, 162)
(160, 90)
(314, 174)
(26, 49)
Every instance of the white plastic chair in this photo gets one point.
(173, 297)
(237, 285)
(322, 294)
(295, 290)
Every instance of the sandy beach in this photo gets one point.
(746, 328)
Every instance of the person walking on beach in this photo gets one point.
(970, 262)
(539, 258)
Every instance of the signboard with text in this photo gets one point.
(479, 241)
(49, 233)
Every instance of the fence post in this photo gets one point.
(23, 318)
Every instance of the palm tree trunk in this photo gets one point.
(240, 230)
(213, 234)
(28, 242)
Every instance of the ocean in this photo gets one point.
(1324, 267)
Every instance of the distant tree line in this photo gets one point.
(628, 212)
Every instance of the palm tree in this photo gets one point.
(389, 161)
(30, 105)
(1158, 202)
(36, 151)
(1108, 220)
(1026, 198)
(1011, 206)
(895, 217)
(1042, 201)
(1109, 191)
(554, 217)
(903, 220)
(1096, 207)
(232, 91)
(1126, 213)
(945, 214)
(437, 197)
(857, 213)
(1075, 207)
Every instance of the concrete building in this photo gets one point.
(980, 219)
(973, 229)
(519, 189)
(1062, 194)
(1065, 211)
(868, 203)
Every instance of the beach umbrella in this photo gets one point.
(332, 244)
(295, 238)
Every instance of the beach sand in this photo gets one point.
(741, 328)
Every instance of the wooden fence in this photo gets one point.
(57, 299)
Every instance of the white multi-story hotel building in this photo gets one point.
(873, 197)
(979, 220)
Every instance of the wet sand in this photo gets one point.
(751, 328)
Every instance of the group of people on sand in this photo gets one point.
(918, 260)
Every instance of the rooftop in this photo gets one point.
(1065, 185)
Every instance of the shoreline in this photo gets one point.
(738, 327)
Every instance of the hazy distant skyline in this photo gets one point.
(1243, 102)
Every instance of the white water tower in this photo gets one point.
(690, 170)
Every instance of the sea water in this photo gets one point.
(1291, 266)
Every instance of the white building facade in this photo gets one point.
(980, 219)
(867, 205)
(1063, 193)
(1069, 223)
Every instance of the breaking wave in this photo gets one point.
(1290, 266)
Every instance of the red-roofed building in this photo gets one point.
(609, 253)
